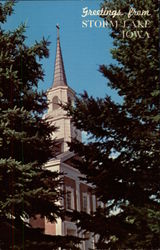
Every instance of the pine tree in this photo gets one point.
(122, 157)
(27, 189)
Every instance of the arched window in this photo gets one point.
(55, 104)
(71, 101)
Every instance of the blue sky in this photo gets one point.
(83, 49)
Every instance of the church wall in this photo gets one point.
(50, 228)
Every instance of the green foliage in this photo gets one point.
(122, 158)
(34, 239)
(27, 189)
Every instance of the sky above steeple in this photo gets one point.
(59, 71)
(84, 49)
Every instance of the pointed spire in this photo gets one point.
(59, 72)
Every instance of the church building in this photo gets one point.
(77, 193)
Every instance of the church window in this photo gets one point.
(55, 103)
(71, 101)
(69, 198)
(71, 232)
(84, 202)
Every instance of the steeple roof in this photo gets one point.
(59, 72)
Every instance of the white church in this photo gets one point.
(77, 193)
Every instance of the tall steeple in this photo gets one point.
(59, 72)
(60, 92)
